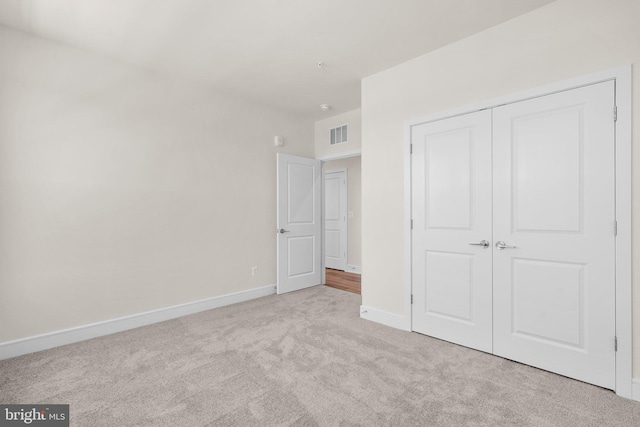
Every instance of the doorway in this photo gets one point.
(335, 219)
(301, 238)
(342, 200)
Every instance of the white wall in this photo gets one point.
(123, 191)
(354, 205)
(565, 39)
(323, 148)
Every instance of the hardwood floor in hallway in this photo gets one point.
(338, 279)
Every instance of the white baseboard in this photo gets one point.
(388, 319)
(354, 269)
(635, 389)
(80, 333)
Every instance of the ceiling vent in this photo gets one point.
(339, 135)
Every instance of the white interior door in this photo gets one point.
(554, 304)
(335, 219)
(299, 223)
(451, 203)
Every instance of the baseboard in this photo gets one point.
(354, 269)
(635, 389)
(388, 319)
(80, 333)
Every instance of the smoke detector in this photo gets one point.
(325, 107)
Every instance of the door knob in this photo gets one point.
(282, 230)
(502, 245)
(483, 243)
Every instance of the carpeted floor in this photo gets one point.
(300, 359)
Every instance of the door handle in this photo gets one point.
(281, 230)
(483, 243)
(502, 245)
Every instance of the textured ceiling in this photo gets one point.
(264, 50)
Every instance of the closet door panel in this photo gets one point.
(553, 208)
(451, 185)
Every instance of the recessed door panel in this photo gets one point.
(548, 302)
(332, 204)
(300, 193)
(449, 186)
(449, 280)
(332, 243)
(548, 154)
(301, 255)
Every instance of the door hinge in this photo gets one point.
(615, 228)
(412, 224)
(615, 343)
(411, 298)
(615, 113)
(410, 148)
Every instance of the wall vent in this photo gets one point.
(339, 135)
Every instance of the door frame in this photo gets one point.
(323, 159)
(344, 197)
(623, 269)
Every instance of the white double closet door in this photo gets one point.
(513, 240)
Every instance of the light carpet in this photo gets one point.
(300, 359)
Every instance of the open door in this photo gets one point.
(299, 227)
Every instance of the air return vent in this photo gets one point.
(339, 135)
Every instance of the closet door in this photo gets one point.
(451, 211)
(554, 243)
